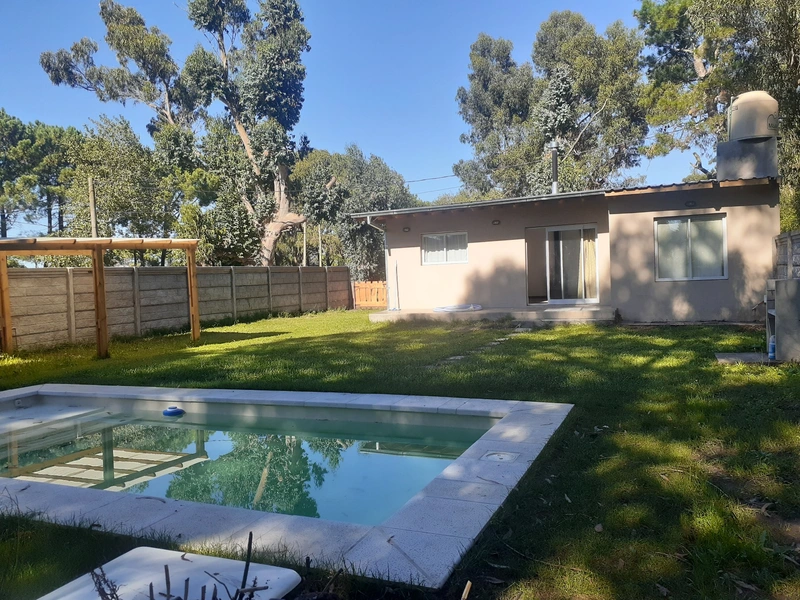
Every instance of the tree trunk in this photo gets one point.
(60, 213)
(3, 223)
(281, 219)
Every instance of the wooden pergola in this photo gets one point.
(94, 247)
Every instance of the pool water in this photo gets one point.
(357, 473)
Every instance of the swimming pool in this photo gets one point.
(353, 472)
(395, 487)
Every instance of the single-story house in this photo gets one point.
(700, 251)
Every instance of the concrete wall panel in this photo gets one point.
(41, 306)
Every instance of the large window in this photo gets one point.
(444, 248)
(691, 248)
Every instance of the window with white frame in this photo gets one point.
(444, 248)
(691, 248)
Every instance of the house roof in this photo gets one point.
(614, 191)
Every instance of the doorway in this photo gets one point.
(562, 264)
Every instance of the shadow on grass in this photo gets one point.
(657, 426)
(624, 502)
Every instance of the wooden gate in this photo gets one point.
(369, 294)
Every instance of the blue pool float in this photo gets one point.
(173, 411)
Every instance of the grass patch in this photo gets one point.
(692, 469)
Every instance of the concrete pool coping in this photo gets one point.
(420, 544)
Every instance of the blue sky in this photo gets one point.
(381, 74)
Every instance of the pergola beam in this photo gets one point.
(42, 245)
(94, 247)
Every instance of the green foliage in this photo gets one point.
(790, 208)
(53, 172)
(332, 186)
(16, 163)
(464, 196)
(226, 232)
(582, 91)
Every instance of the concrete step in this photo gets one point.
(535, 315)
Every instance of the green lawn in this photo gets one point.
(674, 476)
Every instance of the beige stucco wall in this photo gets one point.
(752, 221)
(495, 274)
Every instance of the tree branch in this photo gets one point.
(589, 122)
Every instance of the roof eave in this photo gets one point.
(473, 205)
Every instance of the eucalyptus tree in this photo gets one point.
(252, 65)
(581, 90)
(255, 70)
(147, 72)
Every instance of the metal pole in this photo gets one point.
(92, 207)
(554, 160)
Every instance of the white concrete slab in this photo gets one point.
(490, 449)
(485, 493)
(132, 514)
(407, 556)
(326, 542)
(525, 428)
(442, 516)
(55, 502)
(481, 471)
(373, 401)
(206, 525)
(134, 571)
(425, 404)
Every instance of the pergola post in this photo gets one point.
(100, 310)
(95, 247)
(6, 330)
(194, 296)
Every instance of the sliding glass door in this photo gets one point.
(572, 264)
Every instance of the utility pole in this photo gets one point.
(92, 207)
(319, 235)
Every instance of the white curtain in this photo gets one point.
(456, 247)
(707, 248)
(433, 249)
(673, 249)
(590, 262)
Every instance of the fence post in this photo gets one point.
(300, 280)
(233, 293)
(327, 291)
(137, 303)
(71, 333)
(269, 287)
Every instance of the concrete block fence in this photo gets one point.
(787, 255)
(55, 306)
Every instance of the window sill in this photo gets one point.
(694, 279)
